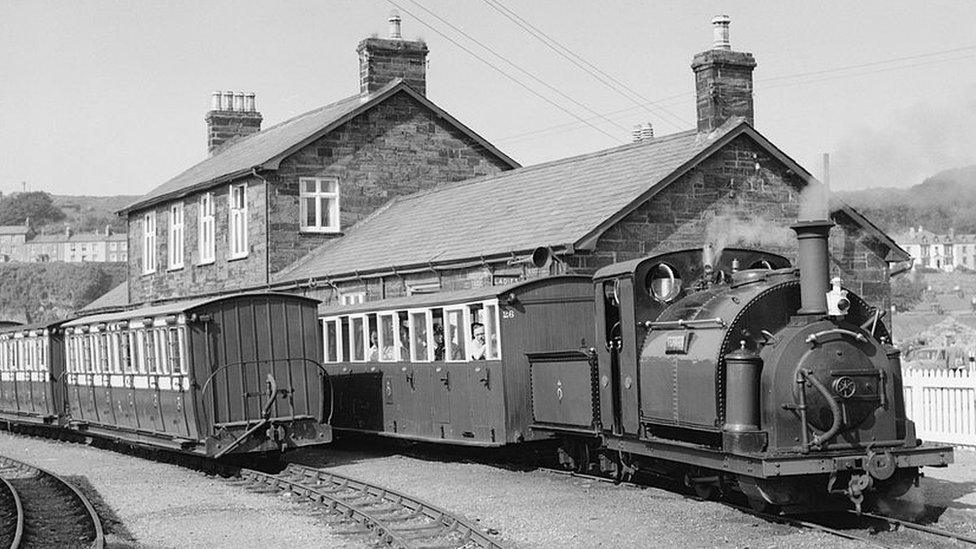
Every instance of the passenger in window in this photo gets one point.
(438, 342)
(477, 347)
(404, 342)
(374, 351)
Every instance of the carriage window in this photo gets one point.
(330, 338)
(492, 336)
(162, 358)
(104, 355)
(344, 352)
(139, 351)
(420, 343)
(455, 334)
(176, 355)
(403, 337)
(372, 343)
(387, 338)
(124, 352)
(357, 338)
(437, 336)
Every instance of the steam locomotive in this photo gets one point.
(759, 381)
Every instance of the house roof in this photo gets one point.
(264, 150)
(14, 229)
(565, 203)
(115, 299)
(553, 204)
(80, 237)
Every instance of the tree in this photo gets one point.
(906, 292)
(36, 205)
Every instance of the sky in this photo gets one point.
(107, 97)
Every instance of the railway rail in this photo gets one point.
(825, 522)
(393, 518)
(41, 509)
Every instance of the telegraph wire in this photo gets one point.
(517, 67)
(505, 74)
(783, 81)
(603, 77)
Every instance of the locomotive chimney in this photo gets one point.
(813, 263)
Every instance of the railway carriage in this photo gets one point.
(214, 376)
(411, 367)
(31, 368)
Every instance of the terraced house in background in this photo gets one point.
(22, 243)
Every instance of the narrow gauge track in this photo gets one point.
(46, 510)
(820, 522)
(394, 518)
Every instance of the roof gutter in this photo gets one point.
(184, 192)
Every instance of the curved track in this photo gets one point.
(47, 510)
(393, 518)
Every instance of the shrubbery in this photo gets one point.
(42, 292)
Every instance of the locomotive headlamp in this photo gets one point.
(837, 302)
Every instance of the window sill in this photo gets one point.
(318, 230)
(205, 263)
(147, 273)
(177, 268)
(236, 257)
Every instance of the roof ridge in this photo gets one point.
(548, 164)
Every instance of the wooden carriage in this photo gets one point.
(31, 363)
(403, 383)
(212, 376)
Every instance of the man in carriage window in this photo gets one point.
(477, 347)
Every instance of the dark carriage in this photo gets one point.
(210, 376)
(403, 382)
(31, 359)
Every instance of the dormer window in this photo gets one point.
(319, 198)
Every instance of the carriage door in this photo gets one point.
(613, 342)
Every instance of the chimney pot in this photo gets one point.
(637, 133)
(249, 102)
(647, 132)
(228, 103)
(239, 101)
(234, 116)
(215, 101)
(720, 32)
(395, 26)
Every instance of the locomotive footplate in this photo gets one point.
(758, 466)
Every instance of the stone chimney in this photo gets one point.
(231, 116)
(723, 80)
(384, 59)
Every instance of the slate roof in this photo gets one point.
(568, 202)
(80, 237)
(14, 229)
(553, 204)
(266, 149)
(115, 299)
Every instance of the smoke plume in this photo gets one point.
(917, 142)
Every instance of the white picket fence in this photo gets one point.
(942, 403)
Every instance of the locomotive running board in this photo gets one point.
(769, 467)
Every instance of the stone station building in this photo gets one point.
(417, 202)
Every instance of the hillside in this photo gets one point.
(42, 292)
(91, 213)
(945, 200)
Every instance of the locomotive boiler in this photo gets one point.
(739, 374)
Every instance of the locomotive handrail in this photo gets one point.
(241, 363)
(835, 426)
(690, 324)
(812, 338)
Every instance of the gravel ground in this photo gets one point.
(148, 504)
(538, 509)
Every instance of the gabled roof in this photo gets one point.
(568, 203)
(264, 150)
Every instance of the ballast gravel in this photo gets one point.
(152, 504)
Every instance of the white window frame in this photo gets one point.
(396, 336)
(429, 319)
(352, 298)
(237, 222)
(337, 322)
(174, 245)
(489, 332)
(352, 337)
(206, 229)
(466, 325)
(317, 197)
(149, 243)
